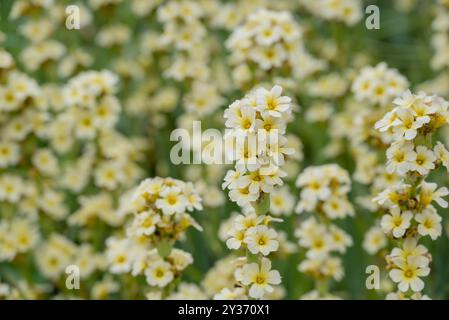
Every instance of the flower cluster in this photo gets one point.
(91, 104)
(410, 213)
(256, 130)
(56, 140)
(271, 40)
(25, 113)
(324, 192)
(161, 209)
(257, 126)
(374, 88)
(267, 38)
(17, 236)
(414, 117)
(378, 85)
(184, 30)
(92, 113)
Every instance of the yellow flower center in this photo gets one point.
(409, 273)
(148, 222)
(270, 54)
(399, 157)
(172, 200)
(428, 224)
(380, 91)
(159, 273)
(397, 221)
(53, 262)
(9, 97)
(4, 151)
(271, 104)
(335, 205)
(260, 279)
(246, 124)
(318, 243)
(121, 259)
(87, 122)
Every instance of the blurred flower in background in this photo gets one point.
(86, 177)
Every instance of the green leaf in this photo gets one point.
(262, 206)
(164, 248)
(5, 8)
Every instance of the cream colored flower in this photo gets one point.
(396, 222)
(260, 278)
(429, 223)
(159, 274)
(261, 239)
(408, 274)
